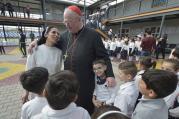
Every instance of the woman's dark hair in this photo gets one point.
(147, 62)
(162, 82)
(61, 89)
(43, 39)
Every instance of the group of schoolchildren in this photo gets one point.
(145, 94)
(124, 48)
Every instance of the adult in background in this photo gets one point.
(22, 44)
(27, 10)
(2, 8)
(161, 46)
(10, 9)
(32, 36)
(81, 46)
(148, 44)
(2, 50)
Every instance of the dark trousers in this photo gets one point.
(2, 50)
(23, 48)
(158, 51)
(10, 13)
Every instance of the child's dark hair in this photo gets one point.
(174, 62)
(61, 89)
(34, 80)
(99, 61)
(161, 82)
(108, 108)
(147, 62)
(43, 39)
(128, 67)
(176, 52)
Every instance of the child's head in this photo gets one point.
(99, 67)
(146, 63)
(157, 83)
(61, 89)
(108, 112)
(127, 70)
(175, 53)
(170, 65)
(34, 80)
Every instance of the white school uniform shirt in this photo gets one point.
(150, 109)
(112, 46)
(174, 112)
(105, 44)
(104, 93)
(33, 107)
(138, 45)
(47, 57)
(70, 112)
(170, 99)
(127, 97)
(132, 45)
(125, 47)
(138, 77)
(118, 43)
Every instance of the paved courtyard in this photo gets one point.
(11, 65)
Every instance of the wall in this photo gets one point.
(132, 7)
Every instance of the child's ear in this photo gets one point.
(152, 94)
(44, 93)
(129, 77)
(76, 97)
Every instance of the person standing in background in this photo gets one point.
(22, 44)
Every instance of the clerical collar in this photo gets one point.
(76, 34)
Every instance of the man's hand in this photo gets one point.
(97, 103)
(111, 81)
(31, 46)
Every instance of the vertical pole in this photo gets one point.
(84, 12)
(4, 32)
(140, 2)
(43, 12)
(161, 25)
(115, 8)
(121, 29)
(123, 6)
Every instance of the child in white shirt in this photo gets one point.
(145, 63)
(102, 93)
(128, 93)
(154, 86)
(61, 92)
(34, 80)
(173, 66)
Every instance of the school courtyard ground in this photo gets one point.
(11, 66)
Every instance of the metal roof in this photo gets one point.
(80, 2)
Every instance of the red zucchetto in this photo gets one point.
(75, 9)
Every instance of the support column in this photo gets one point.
(161, 25)
(121, 29)
(4, 32)
(43, 12)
